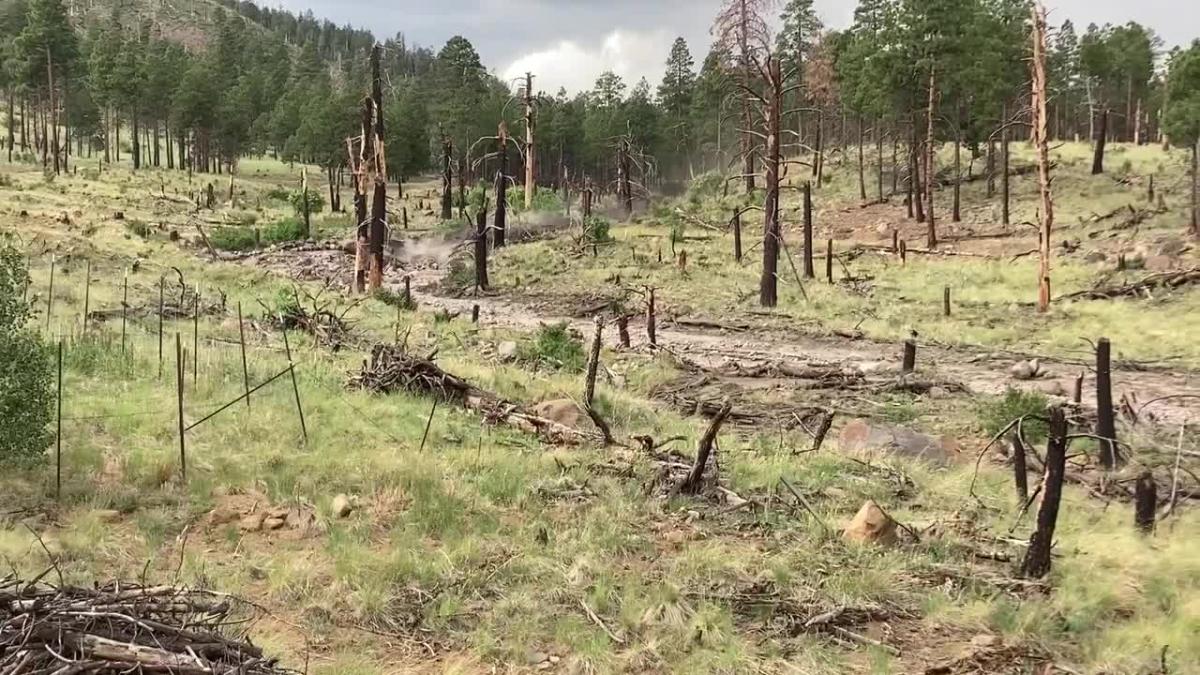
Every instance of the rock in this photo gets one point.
(274, 523)
(507, 350)
(872, 367)
(252, 522)
(1051, 388)
(222, 515)
(985, 641)
(555, 659)
(563, 411)
(862, 438)
(107, 515)
(1172, 246)
(1025, 370)
(1095, 257)
(1160, 263)
(871, 525)
(535, 657)
(342, 506)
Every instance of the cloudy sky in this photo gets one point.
(568, 43)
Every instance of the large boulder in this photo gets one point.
(859, 437)
(871, 525)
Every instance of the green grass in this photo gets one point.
(482, 538)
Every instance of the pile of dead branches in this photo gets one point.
(392, 369)
(318, 314)
(1163, 280)
(122, 628)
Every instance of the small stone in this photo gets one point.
(342, 506)
(535, 657)
(1095, 257)
(563, 411)
(222, 515)
(1161, 263)
(274, 523)
(554, 659)
(692, 516)
(507, 350)
(938, 392)
(871, 525)
(544, 665)
(984, 641)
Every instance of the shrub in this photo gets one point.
(288, 229)
(596, 228)
(138, 228)
(554, 346)
(26, 372)
(233, 238)
(316, 202)
(996, 414)
(394, 299)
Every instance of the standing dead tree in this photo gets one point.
(369, 166)
(741, 27)
(1042, 148)
(635, 170)
(1037, 556)
(530, 156)
(447, 175)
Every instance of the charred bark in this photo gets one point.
(1037, 557)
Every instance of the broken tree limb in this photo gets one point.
(691, 485)
(1037, 557)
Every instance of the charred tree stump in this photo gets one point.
(695, 478)
(809, 273)
(895, 241)
(651, 327)
(593, 366)
(1101, 139)
(1145, 502)
(623, 330)
(903, 252)
(736, 224)
(946, 301)
(1020, 469)
(501, 216)
(530, 146)
(474, 313)
(481, 271)
(1037, 557)
(829, 260)
(910, 356)
(1077, 391)
(1105, 423)
(1150, 190)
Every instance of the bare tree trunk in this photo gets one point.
(747, 147)
(930, 163)
(914, 176)
(1106, 427)
(1042, 147)
(809, 272)
(1196, 188)
(819, 161)
(862, 179)
(1137, 123)
(956, 214)
(695, 478)
(530, 153)
(481, 263)
(769, 282)
(879, 156)
(1005, 195)
(378, 170)
(11, 133)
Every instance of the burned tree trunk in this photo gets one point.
(593, 365)
(481, 263)
(1196, 188)
(1037, 557)
(378, 171)
(736, 224)
(447, 177)
(651, 320)
(1101, 139)
(862, 174)
(1145, 502)
(914, 175)
(1005, 194)
(879, 157)
(1042, 148)
(956, 214)
(1020, 469)
(809, 272)
(500, 231)
(769, 282)
(1106, 427)
(747, 143)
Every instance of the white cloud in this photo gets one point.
(575, 66)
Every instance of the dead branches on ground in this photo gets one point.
(122, 628)
(1163, 280)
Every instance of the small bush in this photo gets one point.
(289, 229)
(138, 228)
(554, 346)
(316, 202)
(279, 194)
(394, 299)
(233, 238)
(26, 372)
(596, 228)
(994, 415)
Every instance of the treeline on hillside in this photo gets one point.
(269, 82)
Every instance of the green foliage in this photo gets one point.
(245, 238)
(1182, 119)
(316, 201)
(596, 229)
(394, 299)
(233, 238)
(554, 346)
(138, 228)
(996, 414)
(288, 229)
(26, 373)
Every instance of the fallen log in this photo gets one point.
(1161, 280)
(392, 369)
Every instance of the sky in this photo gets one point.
(568, 43)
